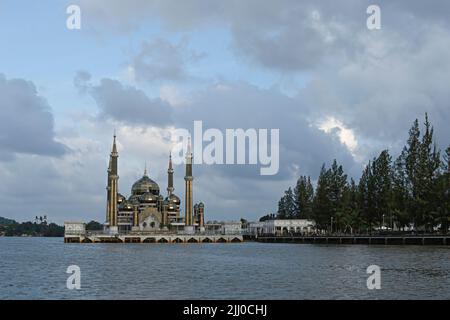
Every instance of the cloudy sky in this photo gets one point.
(309, 68)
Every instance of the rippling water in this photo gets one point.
(35, 268)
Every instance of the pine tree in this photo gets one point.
(289, 203)
(400, 195)
(428, 173)
(443, 191)
(303, 196)
(366, 201)
(349, 216)
(338, 183)
(322, 203)
(282, 213)
(382, 178)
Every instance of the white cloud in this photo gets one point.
(346, 136)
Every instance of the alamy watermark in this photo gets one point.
(374, 280)
(74, 280)
(234, 146)
(73, 21)
(373, 22)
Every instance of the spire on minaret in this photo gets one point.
(112, 187)
(189, 152)
(170, 187)
(145, 169)
(114, 148)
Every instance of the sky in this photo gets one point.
(312, 69)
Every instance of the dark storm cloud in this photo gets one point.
(122, 103)
(245, 106)
(129, 104)
(27, 122)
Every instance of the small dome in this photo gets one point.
(120, 198)
(126, 206)
(173, 199)
(148, 198)
(201, 205)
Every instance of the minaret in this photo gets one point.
(188, 186)
(113, 179)
(170, 187)
(108, 192)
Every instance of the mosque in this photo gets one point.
(146, 209)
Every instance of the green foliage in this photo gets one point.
(33, 229)
(413, 191)
(5, 221)
(303, 198)
(94, 226)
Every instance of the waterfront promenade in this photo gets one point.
(152, 238)
(371, 240)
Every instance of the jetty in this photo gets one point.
(367, 240)
(152, 238)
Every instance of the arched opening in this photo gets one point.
(221, 240)
(236, 240)
(192, 240)
(86, 240)
(149, 240)
(177, 240)
(163, 240)
(207, 240)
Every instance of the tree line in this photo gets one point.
(32, 229)
(411, 192)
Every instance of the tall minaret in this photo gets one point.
(170, 187)
(188, 186)
(113, 179)
(108, 192)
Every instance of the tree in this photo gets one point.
(366, 192)
(349, 215)
(303, 197)
(382, 176)
(94, 226)
(322, 203)
(289, 204)
(400, 195)
(443, 191)
(282, 212)
(338, 184)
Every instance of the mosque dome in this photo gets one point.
(145, 185)
(126, 206)
(173, 199)
(148, 197)
(120, 198)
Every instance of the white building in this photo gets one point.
(282, 227)
(74, 228)
(231, 227)
(223, 227)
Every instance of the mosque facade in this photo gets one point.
(146, 208)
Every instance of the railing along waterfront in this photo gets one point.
(357, 239)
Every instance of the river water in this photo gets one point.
(35, 268)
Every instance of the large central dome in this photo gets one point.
(145, 185)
